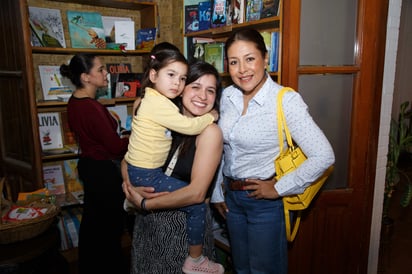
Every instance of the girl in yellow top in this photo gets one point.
(151, 138)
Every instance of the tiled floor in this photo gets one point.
(396, 248)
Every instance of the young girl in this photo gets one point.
(150, 143)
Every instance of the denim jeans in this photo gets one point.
(257, 234)
(195, 214)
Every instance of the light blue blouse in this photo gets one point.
(251, 141)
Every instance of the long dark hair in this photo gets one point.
(80, 63)
(249, 35)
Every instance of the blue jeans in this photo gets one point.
(257, 234)
(195, 214)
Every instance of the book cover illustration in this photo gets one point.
(125, 34)
(114, 69)
(54, 179)
(191, 18)
(238, 11)
(119, 113)
(267, 38)
(218, 14)
(205, 12)
(270, 8)
(128, 84)
(253, 10)
(214, 55)
(146, 38)
(71, 176)
(53, 83)
(274, 60)
(50, 130)
(86, 29)
(47, 26)
(109, 29)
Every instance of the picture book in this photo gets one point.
(53, 84)
(50, 130)
(218, 13)
(128, 84)
(108, 26)
(86, 29)
(205, 11)
(253, 10)
(119, 112)
(125, 34)
(146, 39)
(114, 69)
(191, 18)
(71, 176)
(47, 26)
(53, 179)
(267, 38)
(238, 11)
(214, 55)
(270, 8)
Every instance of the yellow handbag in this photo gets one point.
(288, 160)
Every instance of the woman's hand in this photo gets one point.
(262, 189)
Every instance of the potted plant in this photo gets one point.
(399, 153)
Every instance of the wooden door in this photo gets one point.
(20, 147)
(345, 97)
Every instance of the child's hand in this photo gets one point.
(215, 114)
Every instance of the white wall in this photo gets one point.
(392, 35)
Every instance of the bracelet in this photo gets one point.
(143, 204)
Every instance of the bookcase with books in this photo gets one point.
(226, 16)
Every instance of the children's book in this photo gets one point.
(270, 8)
(108, 26)
(205, 12)
(214, 55)
(238, 11)
(191, 18)
(86, 29)
(50, 130)
(47, 26)
(274, 60)
(114, 69)
(128, 84)
(71, 176)
(146, 38)
(53, 83)
(54, 179)
(218, 13)
(267, 38)
(119, 112)
(253, 10)
(125, 34)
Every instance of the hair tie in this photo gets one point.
(153, 57)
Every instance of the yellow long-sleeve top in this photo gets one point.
(157, 116)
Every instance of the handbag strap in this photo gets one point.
(173, 161)
(282, 120)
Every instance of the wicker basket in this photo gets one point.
(11, 232)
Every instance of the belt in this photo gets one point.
(238, 184)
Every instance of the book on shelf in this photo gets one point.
(54, 179)
(119, 112)
(50, 130)
(267, 38)
(253, 10)
(274, 60)
(146, 38)
(270, 8)
(238, 11)
(218, 13)
(205, 11)
(114, 69)
(196, 48)
(78, 195)
(214, 55)
(125, 34)
(128, 84)
(86, 29)
(53, 83)
(191, 18)
(46, 24)
(109, 29)
(71, 176)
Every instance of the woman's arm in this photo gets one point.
(209, 145)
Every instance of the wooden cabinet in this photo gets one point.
(21, 94)
(220, 34)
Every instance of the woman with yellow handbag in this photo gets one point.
(250, 199)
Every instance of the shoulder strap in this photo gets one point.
(282, 121)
